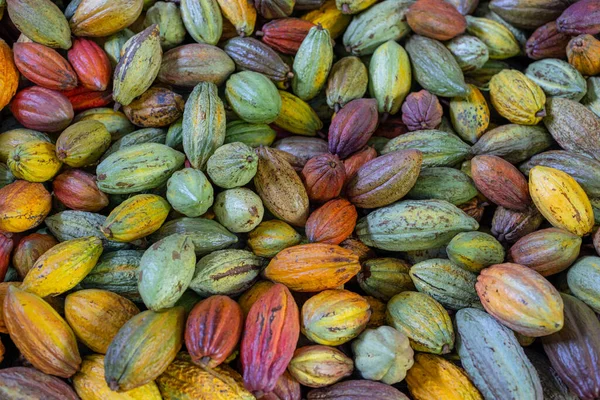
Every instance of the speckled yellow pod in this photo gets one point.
(136, 217)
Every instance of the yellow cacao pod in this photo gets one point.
(34, 161)
(517, 98)
(470, 115)
(98, 18)
(241, 13)
(136, 217)
(330, 18)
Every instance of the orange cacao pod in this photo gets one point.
(286, 34)
(353, 163)
(270, 336)
(23, 205)
(521, 299)
(84, 99)
(436, 19)
(363, 251)
(3, 291)
(44, 66)
(77, 190)
(501, 182)
(91, 64)
(352, 127)
(324, 177)
(9, 75)
(29, 249)
(42, 109)
(313, 267)
(286, 388)
(213, 329)
(332, 223)
(583, 53)
(6, 246)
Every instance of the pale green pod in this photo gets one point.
(253, 97)
(443, 183)
(470, 52)
(592, 96)
(253, 135)
(190, 192)
(168, 18)
(203, 20)
(557, 78)
(312, 63)
(347, 81)
(474, 251)
(500, 41)
(174, 137)
(114, 43)
(166, 269)
(584, 281)
(378, 24)
(139, 65)
(239, 209)
(232, 165)
(203, 124)
(389, 77)
(146, 135)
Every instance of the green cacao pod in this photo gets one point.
(166, 269)
(470, 52)
(116, 272)
(238, 209)
(452, 286)
(203, 124)
(137, 168)
(413, 225)
(347, 81)
(41, 21)
(232, 165)
(6, 176)
(253, 97)
(270, 237)
(189, 192)
(424, 320)
(557, 78)
(138, 65)
(493, 358)
(312, 63)
(174, 136)
(114, 44)
(168, 18)
(115, 122)
(82, 143)
(227, 272)
(584, 281)
(389, 77)
(443, 183)
(435, 68)
(253, 135)
(384, 278)
(481, 77)
(474, 251)
(203, 20)
(592, 96)
(141, 136)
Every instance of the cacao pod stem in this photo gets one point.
(541, 113)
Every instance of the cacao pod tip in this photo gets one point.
(346, 9)
(113, 385)
(60, 154)
(290, 75)
(259, 33)
(117, 106)
(349, 49)
(541, 113)
(106, 232)
(241, 33)
(319, 27)
(445, 349)
(384, 117)
(337, 107)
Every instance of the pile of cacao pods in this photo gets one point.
(299, 199)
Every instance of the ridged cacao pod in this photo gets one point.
(252, 295)
(232, 165)
(97, 315)
(34, 161)
(253, 97)
(552, 384)
(304, 148)
(313, 267)
(312, 63)
(330, 17)
(421, 110)
(168, 18)
(84, 99)
(443, 183)
(509, 226)
(136, 217)
(143, 348)
(324, 177)
(517, 98)
(253, 135)
(141, 136)
(492, 357)
(501, 182)
(41, 21)
(40, 334)
(213, 330)
(356, 390)
(582, 52)
(353, 163)
(190, 64)
(352, 127)
(297, 116)
(3, 291)
(580, 18)
(287, 388)
(521, 299)
(29, 249)
(9, 74)
(82, 143)
(238, 209)
(22, 382)
(435, 19)
(91, 64)
(347, 81)
(98, 18)
(561, 200)
(252, 55)
(285, 35)
(383, 278)
(23, 206)
(389, 77)
(470, 52)
(44, 66)
(547, 42)
(241, 13)
(557, 78)
(189, 192)
(319, 366)
(583, 280)
(474, 251)
(203, 20)
(156, 107)
(470, 115)
(332, 223)
(271, 237)
(573, 350)
(514, 143)
(500, 41)
(77, 190)
(115, 121)
(116, 272)
(270, 335)
(42, 109)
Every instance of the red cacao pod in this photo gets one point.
(324, 177)
(91, 64)
(42, 109)
(213, 329)
(391, 127)
(84, 99)
(580, 18)
(385, 179)
(44, 66)
(287, 388)
(286, 34)
(353, 163)
(436, 19)
(574, 351)
(29, 249)
(270, 336)
(352, 127)
(501, 182)
(6, 246)
(29, 383)
(78, 190)
(332, 223)
(421, 110)
(547, 42)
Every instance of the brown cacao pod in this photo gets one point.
(44, 66)
(421, 110)
(42, 109)
(213, 330)
(583, 53)
(547, 42)
(332, 223)
(270, 335)
(91, 64)
(287, 388)
(501, 182)
(323, 177)
(574, 351)
(353, 163)
(385, 179)
(77, 190)
(313, 267)
(29, 249)
(156, 107)
(357, 390)
(436, 19)
(582, 17)
(84, 99)
(352, 127)
(509, 226)
(285, 35)
(302, 147)
(29, 383)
